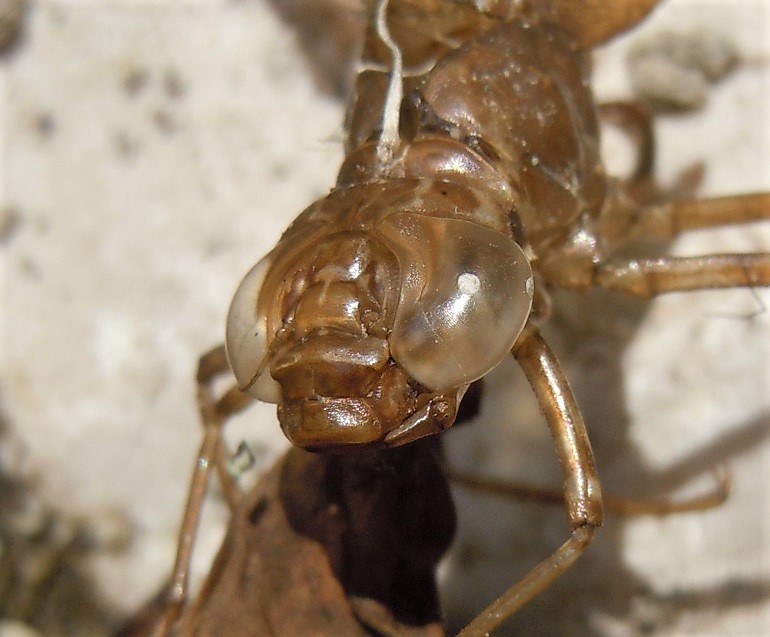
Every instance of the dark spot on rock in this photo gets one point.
(126, 144)
(173, 84)
(10, 221)
(165, 121)
(135, 81)
(280, 171)
(44, 124)
(30, 269)
(12, 14)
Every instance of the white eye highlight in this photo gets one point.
(247, 340)
(468, 283)
(466, 293)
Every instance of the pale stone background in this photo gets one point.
(153, 150)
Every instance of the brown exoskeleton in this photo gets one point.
(472, 186)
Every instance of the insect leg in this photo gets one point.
(636, 122)
(211, 365)
(213, 413)
(666, 221)
(650, 277)
(582, 492)
(613, 504)
(622, 222)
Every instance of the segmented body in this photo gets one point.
(501, 105)
(431, 259)
(410, 280)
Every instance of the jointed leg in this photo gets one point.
(211, 365)
(581, 485)
(650, 277)
(669, 219)
(621, 224)
(636, 122)
(213, 413)
(629, 507)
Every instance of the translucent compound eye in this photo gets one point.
(247, 340)
(466, 293)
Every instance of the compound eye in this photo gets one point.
(466, 293)
(247, 339)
